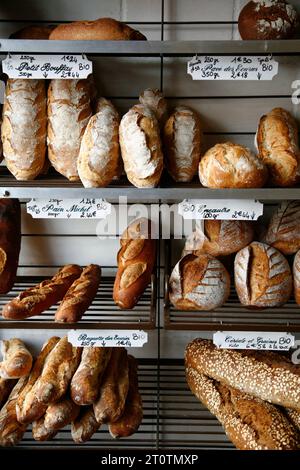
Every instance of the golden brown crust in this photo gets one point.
(10, 242)
(40, 432)
(60, 414)
(34, 31)
(284, 228)
(11, 431)
(84, 426)
(17, 360)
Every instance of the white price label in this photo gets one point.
(232, 68)
(108, 338)
(254, 340)
(47, 66)
(228, 209)
(84, 208)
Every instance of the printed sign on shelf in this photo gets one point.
(83, 208)
(226, 209)
(254, 340)
(47, 66)
(108, 338)
(232, 68)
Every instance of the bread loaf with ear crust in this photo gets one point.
(284, 228)
(296, 273)
(85, 425)
(6, 386)
(10, 242)
(17, 360)
(136, 260)
(11, 431)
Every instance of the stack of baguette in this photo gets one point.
(255, 395)
(81, 387)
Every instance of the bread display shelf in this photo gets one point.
(103, 313)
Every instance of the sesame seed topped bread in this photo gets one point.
(284, 228)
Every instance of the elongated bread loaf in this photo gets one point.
(284, 228)
(17, 360)
(10, 242)
(296, 273)
(6, 386)
(85, 425)
(40, 432)
(154, 99)
(24, 127)
(266, 375)
(11, 431)
(60, 414)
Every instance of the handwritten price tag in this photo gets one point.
(254, 340)
(232, 68)
(105, 338)
(229, 209)
(84, 208)
(47, 66)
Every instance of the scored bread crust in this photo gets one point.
(17, 360)
(284, 228)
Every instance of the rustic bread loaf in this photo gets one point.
(141, 147)
(154, 99)
(10, 242)
(11, 431)
(284, 228)
(6, 386)
(231, 165)
(182, 144)
(17, 360)
(199, 283)
(40, 432)
(100, 29)
(264, 374)
(60, 414)
(219, 237)
(34, 31)
(69, 111)
(136, 260)
(277, 143)
(249, 422)
(85, 425)
(23, 128)
(296, 275)
(262, 276)
(268, 19)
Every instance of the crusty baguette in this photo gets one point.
(80, 295)
(60, 413)
(85, 425)
(40, 432)
(85, 384)
(249, 422)
(10, 242)
(6, 386)
(11, 431)
(132, 417)
(296, 274)
(283, 230)
(266, 375)
(114, 388)
(35, 300)
(28, 408)
(17, 360)
(154, 99)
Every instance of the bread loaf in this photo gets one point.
(101, 29)
(69, 111)
(266, 375)
(136, 260)
(268, 19)
(28, 408)
(199, 283)
(17, 360)
(284, 228)
(99, 154)
(132, 417)
(230, 165)
(36, 299)
(296, 277)
(154, 99)
(277, 143)
(1, 148)
(24, 127)
(11, 431)
(182, 144)
(249, 422)
(219, 237)
(141, 147)
(40, 432)
(262, 276)
(85, 425)
(34, 31)
(60, 414)
(114, 388)
(6, 386)
(294, 417)
(10, 242)
(80, 295)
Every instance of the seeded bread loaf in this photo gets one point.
(284, 228)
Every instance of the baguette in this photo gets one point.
(35, 300)
(17, 360)
(6, 386)
(11, 431)
(10, 242)
(83, 428)
(266, 375)
(284, 228)
(114, 388)
(296, 273)
(85, 384)
(250, 423)
(132, 417)
(40, 432)
(79, 296)
(59, 414)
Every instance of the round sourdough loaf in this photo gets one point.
(154, 99)
(284, 228)
(262, 276)
(230, 165)
(199, 283)
(296, 275)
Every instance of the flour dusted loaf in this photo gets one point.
(199, 283)
(284, 228)
(141, 147)
(182, 144)
(100, 29)
(154, 99)
(69, 111)
(219, 237)
(60, 414)
(10, 242)
(17, 360)
(11, 431)
(249, 422)
(277, 143)
(296, 276)
(23, 128)
(99, 154)
(85, 425)
(268, 19)
(231, 165)
(264, 374)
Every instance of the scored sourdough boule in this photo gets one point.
(284, 228)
